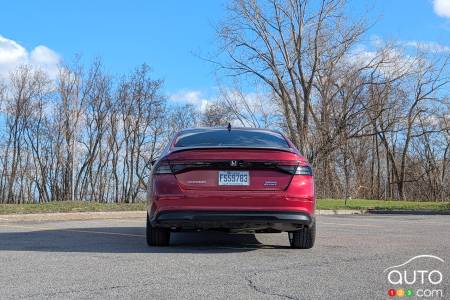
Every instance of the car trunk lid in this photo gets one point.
(234, 169)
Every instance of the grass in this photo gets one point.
(381, 204)
(68, 206)
(84, 206)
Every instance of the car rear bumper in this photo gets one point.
(250, 220)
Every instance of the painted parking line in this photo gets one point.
(103, 232)
(3, 219)
(349, 224)
(142, 221)
(73, 230)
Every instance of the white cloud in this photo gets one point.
(390, 61)
(432, 47)
(191, 97)
(12, 55)
(442, 8)
(395, 57)
(361, 55)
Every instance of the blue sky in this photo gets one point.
(167, 34)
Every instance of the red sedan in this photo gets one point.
(231, 179)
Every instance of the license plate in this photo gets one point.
(234, 178)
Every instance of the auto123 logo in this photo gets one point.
(418, 277)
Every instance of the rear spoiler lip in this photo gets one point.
(180, 149)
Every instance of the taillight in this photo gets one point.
(303, 170)
(163, 168)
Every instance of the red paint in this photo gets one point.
(199, 190)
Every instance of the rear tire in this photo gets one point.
(303, 238)
(157, 236)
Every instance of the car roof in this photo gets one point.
(206, 129)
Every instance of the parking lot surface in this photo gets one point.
(95, 259)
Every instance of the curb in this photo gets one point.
(407, 212)
(328, 212)
(372, 211)
(73, 216)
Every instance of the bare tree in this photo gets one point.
(282, 43)
(349, 113)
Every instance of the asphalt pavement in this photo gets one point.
(109, 259)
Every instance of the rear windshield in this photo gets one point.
(233, 138)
